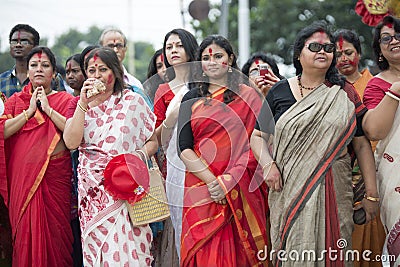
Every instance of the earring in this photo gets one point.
(230, 69)
(27, 75)
(380, 59)
(203, 74)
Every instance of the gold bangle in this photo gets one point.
(51, 111)
(26, 115)
(268, 164)
(165, 125)
(84, 110)
(373, 199)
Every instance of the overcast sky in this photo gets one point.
(150, 20)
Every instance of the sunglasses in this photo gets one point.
(316, 47)
(386, 39)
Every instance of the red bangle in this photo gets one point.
(393, 92)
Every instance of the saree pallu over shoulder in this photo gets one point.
(28, 173)
(120, 125)
(232, 234)
(309, 139)
(387, 157)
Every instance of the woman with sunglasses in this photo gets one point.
(317, 116)
(382, 122)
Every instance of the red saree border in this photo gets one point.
(313, 181)
(39, 178)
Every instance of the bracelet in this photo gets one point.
(26, 115)
(144, 158)
(373, 199)
(165, 125)
(392, 96)
(51, 111)
(84, 110)
(394, 93)
(268, 164)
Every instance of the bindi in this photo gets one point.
(210, 51)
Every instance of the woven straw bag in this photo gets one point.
(154, 206)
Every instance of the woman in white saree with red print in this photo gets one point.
(106, 125)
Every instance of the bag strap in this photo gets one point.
(152, 159)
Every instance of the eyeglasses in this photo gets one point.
(387, 39)
(118, 46)
(316, 47)
(22, 42)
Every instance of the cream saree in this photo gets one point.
(121, 124)
(308, 215)
(387, 157)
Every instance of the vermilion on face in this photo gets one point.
(40, 70)
(317, 60)
(99, 70)
(347, 63)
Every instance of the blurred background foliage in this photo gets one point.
(273, 28)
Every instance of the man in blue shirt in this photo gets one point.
(22, 39)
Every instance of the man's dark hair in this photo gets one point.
(26, 28)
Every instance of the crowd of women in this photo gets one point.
(253, 164)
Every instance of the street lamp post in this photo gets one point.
(244, 31)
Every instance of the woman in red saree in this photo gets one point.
(35, 172)
(224, 222)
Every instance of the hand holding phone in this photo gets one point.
(263, 69)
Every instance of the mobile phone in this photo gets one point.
(263, 69)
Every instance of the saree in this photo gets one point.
(175, 180)
(232, 234)
(387, 156)
(370, 236)
(36, 185)
(307, 217)
(121, 124)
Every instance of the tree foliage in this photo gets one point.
(275, 23)
(74, 41)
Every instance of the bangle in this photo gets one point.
(84, 110)
(143, 155)
(392, 96)
(268, 164)
(373, 199)
(26, 115)
(51, 111)
(165, 125)
(394, 93)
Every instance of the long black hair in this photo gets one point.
(189, 43)
(234, 77)
(332, 75)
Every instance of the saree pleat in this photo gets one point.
(310, 137)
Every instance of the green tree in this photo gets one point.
(275, 23)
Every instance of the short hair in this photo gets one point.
(382, 63)
(47, 51)
(101, 39)
(26, 28)
(350, 36)
(332, 74)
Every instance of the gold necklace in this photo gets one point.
(301, 87)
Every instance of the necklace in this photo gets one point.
(303, 87)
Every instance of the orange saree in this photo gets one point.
(232, 234)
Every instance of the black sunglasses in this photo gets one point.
(316, 47)
(386, 39)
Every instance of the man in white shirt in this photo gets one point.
(116, 40)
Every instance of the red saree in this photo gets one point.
(36, 186)
(232, 234)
